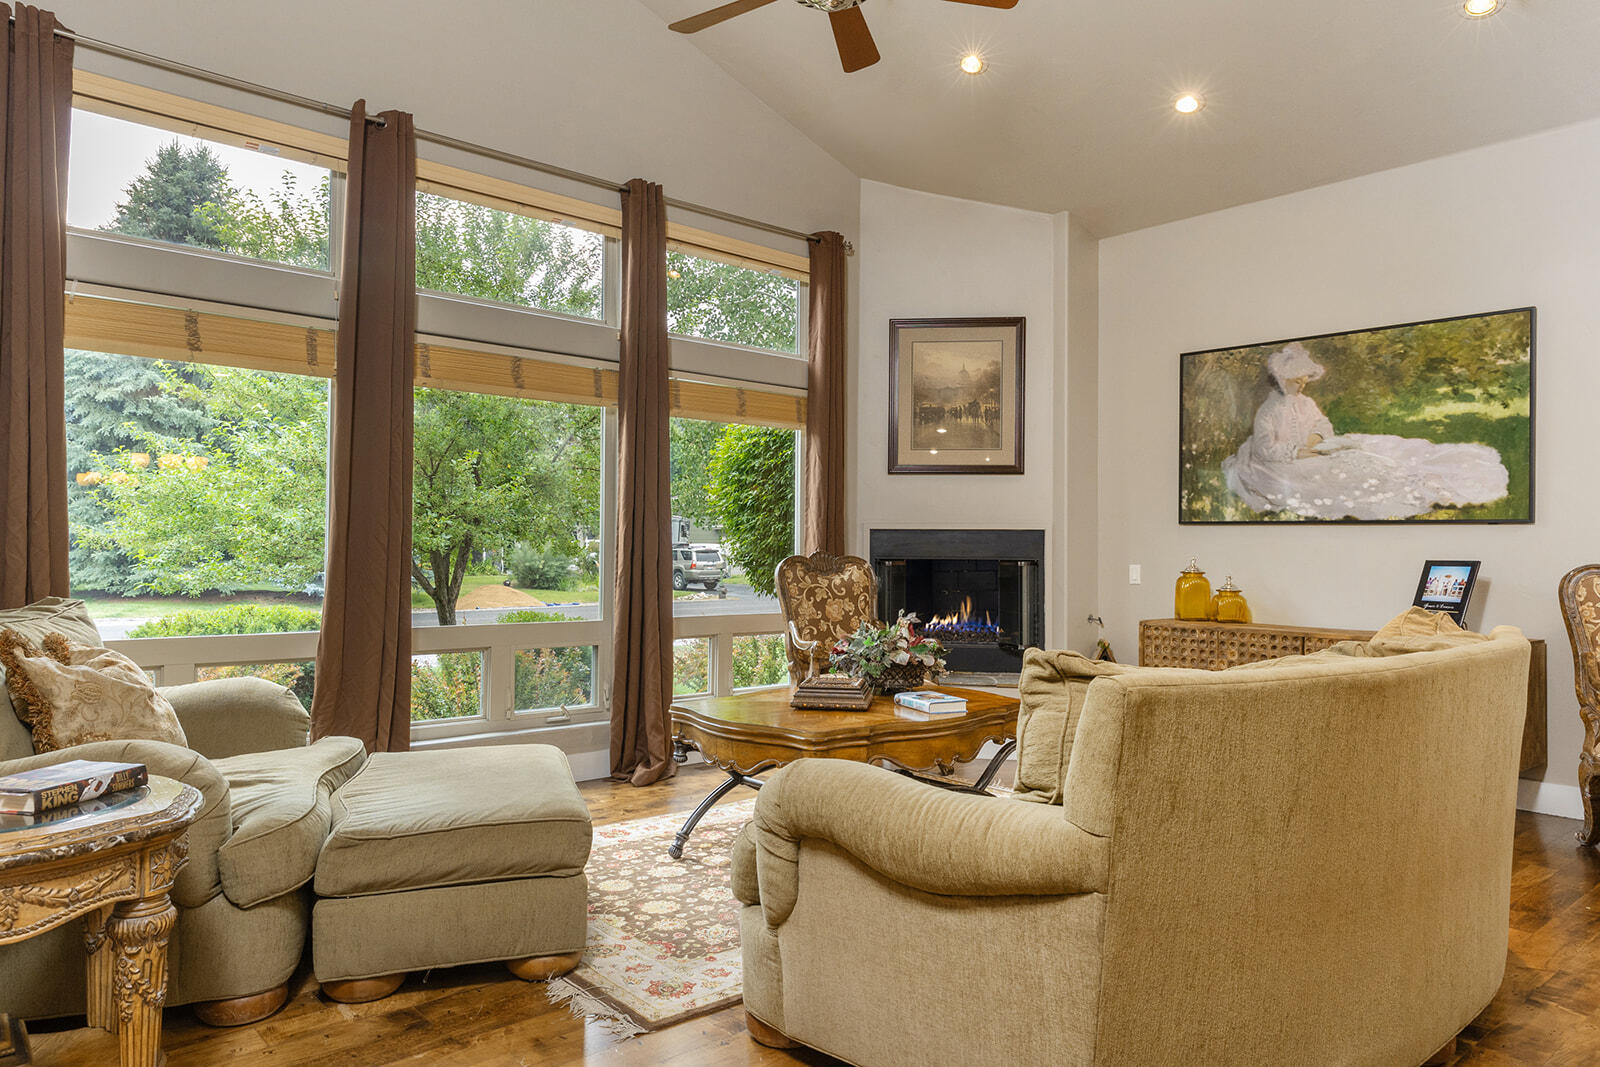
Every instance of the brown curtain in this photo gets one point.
(364, 654)
(641, 680)
(37, 118)
(825, 393)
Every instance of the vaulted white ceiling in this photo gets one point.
(1074, 113)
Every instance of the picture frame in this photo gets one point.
(1428, 421)
(956, 399)
(1446, 585)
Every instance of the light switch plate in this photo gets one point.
(1133, 575)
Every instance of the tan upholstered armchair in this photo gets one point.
(1306, 862)
(1580, 605)
(243, 904)
(824, 598)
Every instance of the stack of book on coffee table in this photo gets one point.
(832, 692)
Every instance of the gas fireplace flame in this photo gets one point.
(963, 624)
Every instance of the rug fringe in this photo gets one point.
(566, 993)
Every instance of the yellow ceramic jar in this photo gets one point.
(1231, 605)
(1192, 595)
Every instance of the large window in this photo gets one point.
(197, 499)
(733, 521)
(198, 406)
(721, 302)
(140, 181)
(482, 252)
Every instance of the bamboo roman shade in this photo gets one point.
(99, 324)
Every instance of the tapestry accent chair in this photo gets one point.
(243, 898)
(1580, 606)
(824, 597)
(1303, 861)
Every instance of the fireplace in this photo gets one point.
(980, 592)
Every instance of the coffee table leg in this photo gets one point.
(139, 930)
(675, 850)
(995, 764)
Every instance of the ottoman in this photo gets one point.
(437, 859)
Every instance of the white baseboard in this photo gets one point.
(1550, 798)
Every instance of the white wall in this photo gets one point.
(925, 256)
(600, 86)
(1506, 226)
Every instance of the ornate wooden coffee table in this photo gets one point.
(752, 732)
(113, 868)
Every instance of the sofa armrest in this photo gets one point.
(199, 880)
(937, 841)
(231, 716)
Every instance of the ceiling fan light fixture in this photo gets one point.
(1188, 103)
(1480, 9)
(973, 63)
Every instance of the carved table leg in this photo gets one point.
(139, 930)
(675, 850)
(101, 1008)
(995, 764)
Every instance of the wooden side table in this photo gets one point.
(112, 868)
(750, 732)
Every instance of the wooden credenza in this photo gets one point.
(1213, 646)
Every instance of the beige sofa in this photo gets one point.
(1304, 862)
(243, 899)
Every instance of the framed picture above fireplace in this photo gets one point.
(956, 396)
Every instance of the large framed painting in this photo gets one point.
(1421, 422)
(955, 396)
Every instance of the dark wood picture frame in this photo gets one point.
(1193, 465)
(1005, 415)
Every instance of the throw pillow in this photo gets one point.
(1420, 630)
(1052, 691)
(70, 694)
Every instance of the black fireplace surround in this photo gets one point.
(980, 592)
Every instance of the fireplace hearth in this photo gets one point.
(980, 592)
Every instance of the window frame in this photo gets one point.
(130, 268)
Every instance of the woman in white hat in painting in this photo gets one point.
(1293, 461)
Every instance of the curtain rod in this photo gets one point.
(227, 81)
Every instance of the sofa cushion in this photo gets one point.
(71, 694)
(413, 820)
(1052, 689)
(281, 814)
(50, 615)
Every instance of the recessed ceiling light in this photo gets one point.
(933, 451)
(940, 430)
(1188, 103)
(972, 63)
(1480, 9)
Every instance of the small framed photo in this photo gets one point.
(955, 396)
(1446, 585)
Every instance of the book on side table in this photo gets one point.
(45, 788)
(930, 702)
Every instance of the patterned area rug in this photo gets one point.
(663, 933)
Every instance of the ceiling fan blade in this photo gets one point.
(1005, 4)
(696, 23)
(850, 33)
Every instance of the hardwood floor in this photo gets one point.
(1547, 1011)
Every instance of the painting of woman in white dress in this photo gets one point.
(1433, 423)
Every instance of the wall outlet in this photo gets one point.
(1133, 575)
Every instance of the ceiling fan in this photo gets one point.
(850, 33)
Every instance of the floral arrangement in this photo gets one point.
(875, 650)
